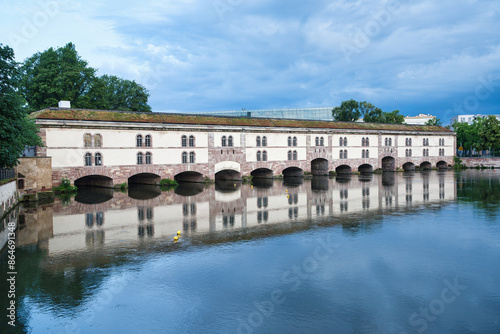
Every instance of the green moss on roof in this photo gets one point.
(165, 118)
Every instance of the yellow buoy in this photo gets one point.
(286, 190)
(178, 232)
(287, 196)
(251, 187)
(235, 184)
(176, 238)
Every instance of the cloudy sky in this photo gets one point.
(420, 56)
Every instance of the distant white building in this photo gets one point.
(469, 119)
(420, 119)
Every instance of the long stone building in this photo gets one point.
(108, 148)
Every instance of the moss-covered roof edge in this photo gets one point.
(200, 119)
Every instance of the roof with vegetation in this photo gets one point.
(194, 119)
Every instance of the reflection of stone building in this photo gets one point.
(121, 221)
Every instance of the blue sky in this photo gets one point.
(422, 56)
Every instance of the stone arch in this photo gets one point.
(319, 166)
(144, 178)
(227, 165)
(442, 164)
(388, 164)
(94, 181)
(343, 169)
(293, 172)
(408, 166)
(365, 168)
(262, 173)
(189, 177)
(426, 165)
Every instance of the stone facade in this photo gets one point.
(196, 151)
(35, 174)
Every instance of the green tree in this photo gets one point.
(467, 135)
(393, 117)
(121, 94)
(489, 133)
(17, 130)
(61, 74)
(349, 111)
(55, 75)
(434, 121)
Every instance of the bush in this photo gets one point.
(65, 187)
(167, 184)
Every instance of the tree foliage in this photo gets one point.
(348, 111)
(61, 74)
(352, 110)
(434, 121)
(17, 130)
(482, 134)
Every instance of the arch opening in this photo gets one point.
(442, 165)
(388, 164)
(366, 168)
(228, 175)
(293, 172)
(94, 181)
(189, 177)
(319, 166)
(426, 165)
(343, 169)
(144, 178)
(409, 166)
(262, 173)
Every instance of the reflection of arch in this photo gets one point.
(144, 178)
(319, 167)
(442, 165)
(93, 195)
(388, 164)
(228, 174)
(189, 189)
(95, 181)
(409, 166)
(343, 169)
(293, 172)
(189, 177)
(426, 165)
(366, 168)
(262, 173)
(320, 183)
(262, 183)
(143, 192)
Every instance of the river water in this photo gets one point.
(393, 253)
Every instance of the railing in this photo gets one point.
(7, 173)
(478, 154)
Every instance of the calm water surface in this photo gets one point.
(391, 253)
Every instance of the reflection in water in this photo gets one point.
(343, 178)
(292, 182)
(262, 183)
(93, 195)
(189, 189)
(74, 254)
(227, 185)
(320, 183)
(365, 177)
(143, 191)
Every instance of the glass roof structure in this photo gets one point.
(317, 114)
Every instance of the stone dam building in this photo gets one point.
(109, 148)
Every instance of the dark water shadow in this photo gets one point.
(227, 186)
(293, 182)
(320, 183)
(143, 191)
(93, 195)
(187, 189)
(263, 183)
